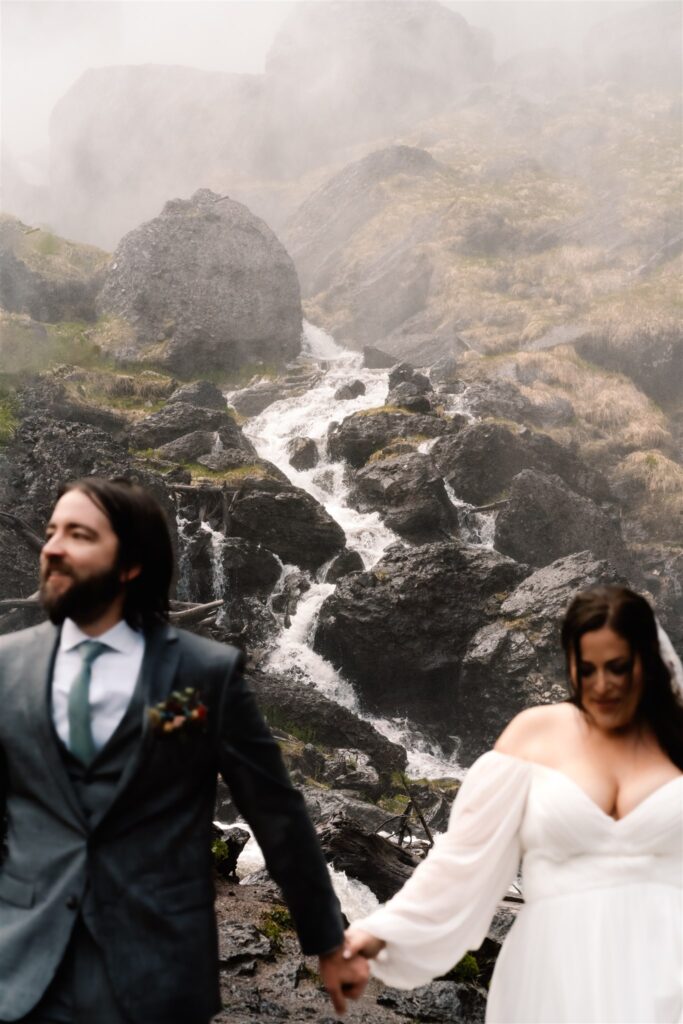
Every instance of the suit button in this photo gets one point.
(72, 903)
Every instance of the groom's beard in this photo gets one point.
(85, 600)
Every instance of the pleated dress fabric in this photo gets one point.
(600, 937)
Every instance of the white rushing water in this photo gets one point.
(310, 415)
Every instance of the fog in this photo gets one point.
(46, 45)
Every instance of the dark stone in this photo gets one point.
(48, 396)
(544, 519)
(480, 461)
(303, 453)
(202, 393)
(235, 840)
(449, 1002)
(515, 660)
(348, 561)
(409, 494)
(401, 630)
(362, 434)
(348, 391)
(179, 419)
(287, 700)
(404, 373)
(289, 522)
(239, 942)
(383, 866)
(208, 285)
(375, 359)
(409, 395)
(189, 447)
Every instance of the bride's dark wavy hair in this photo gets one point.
(629, 615)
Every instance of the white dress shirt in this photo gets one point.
(112, 681)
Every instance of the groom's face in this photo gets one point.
(80, 576)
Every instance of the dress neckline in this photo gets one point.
(575, 785)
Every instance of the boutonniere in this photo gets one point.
(183, 710)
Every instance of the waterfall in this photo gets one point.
(218, 581)
(184, 587)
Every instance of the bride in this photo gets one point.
(588, 794)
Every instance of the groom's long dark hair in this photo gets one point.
(629, 615)
(139, 522)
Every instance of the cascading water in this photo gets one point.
(218, 581)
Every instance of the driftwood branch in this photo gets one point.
(493, 507)
(194, 613)
(23, 529)
(425, 826)
(20, 602)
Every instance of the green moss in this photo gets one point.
(219, 851)
(47, 244)
(229, 476)
(277, 720)
(275, 924)
(466, 970)
(9, 420)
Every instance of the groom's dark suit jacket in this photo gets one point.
(137, 867)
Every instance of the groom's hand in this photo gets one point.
(343, 976)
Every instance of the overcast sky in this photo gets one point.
(47, 44)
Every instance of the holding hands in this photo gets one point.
(345, 971)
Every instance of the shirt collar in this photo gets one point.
(121, 637)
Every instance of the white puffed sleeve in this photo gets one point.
(446, 906)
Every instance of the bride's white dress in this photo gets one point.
(600, 937)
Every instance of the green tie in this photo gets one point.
(81, 743)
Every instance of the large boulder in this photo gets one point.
(178, 419)
(516, 660)
(293, 705)
(481, 460)
(543, 519)
(362, 433)
(400, 630)
(409, 494)
(47, 277)
(204, 286)
(287, 521)
(200, 392)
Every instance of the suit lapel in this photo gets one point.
(159, 665)
(39, 667)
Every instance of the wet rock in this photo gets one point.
(544, 519)
(239, 942)
(291, 701)
(376, 359)
(515, 660)
(303, 453)
(289, 522)
(480, 461)
(358, 436)
(255, 470)
(405, 373)
(202, 393)
(292, 585)
(344, 769)
(226, 853)
(351, 390)
(443, 373)
(449, 1002)
(409, 494)
(348, 561)
(52, 397)
(205, 285)
(409, 395)
(399, 643)
(383, 866)
(189, 447)
(181, 418)
(47, 277)
(500, 398)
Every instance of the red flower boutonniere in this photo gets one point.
(183, 710)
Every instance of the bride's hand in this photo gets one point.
(358, 941)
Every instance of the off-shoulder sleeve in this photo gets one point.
(446, 906)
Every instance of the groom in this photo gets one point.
(113, 726)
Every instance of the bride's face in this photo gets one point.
(611, 679)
